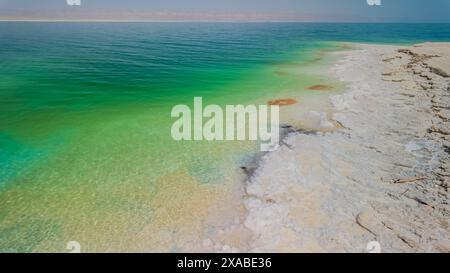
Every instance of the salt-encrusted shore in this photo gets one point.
(383, 173)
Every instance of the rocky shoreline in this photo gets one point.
(382, 174)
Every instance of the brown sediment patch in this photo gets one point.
(281, 73)
(282, 102)
(320, 87)
(316, 59)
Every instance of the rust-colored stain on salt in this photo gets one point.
(320, 87)
(282, 102)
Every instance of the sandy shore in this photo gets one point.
(381, 174)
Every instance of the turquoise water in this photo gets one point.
(85, 146)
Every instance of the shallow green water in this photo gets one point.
(86, 152)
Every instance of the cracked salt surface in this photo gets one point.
(333, 191)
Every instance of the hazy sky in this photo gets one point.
(231, 10)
